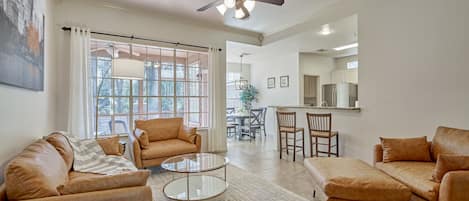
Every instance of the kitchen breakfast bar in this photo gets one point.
(344, 121)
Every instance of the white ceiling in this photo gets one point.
(265, 18)
(345, 32)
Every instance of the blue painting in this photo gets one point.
(22, 43)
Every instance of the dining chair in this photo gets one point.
(255, 121)
(120, 127)
(320, 126)
(261, 119)
(286, 123)
(231, 125)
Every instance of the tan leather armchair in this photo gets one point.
(417, 175)
(153, 141)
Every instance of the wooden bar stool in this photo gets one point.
(320, 126)
(286, 122)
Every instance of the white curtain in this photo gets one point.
(217, 118)
(80, 113)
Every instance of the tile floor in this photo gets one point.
(260, 157)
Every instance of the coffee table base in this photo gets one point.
(198, 187)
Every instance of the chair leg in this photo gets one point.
(280, 141)
(311, 144)
(316, 141)
(263, 128)
(286, 141)
(303, 143)
(294, 146)
(337, 144)
(329, 147)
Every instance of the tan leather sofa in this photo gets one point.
(418, 175)
(153, 141)
(43, 172)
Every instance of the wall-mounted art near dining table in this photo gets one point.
(271, 82)
(284, 81)
(22, 43)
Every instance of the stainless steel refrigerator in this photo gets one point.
(339, 95)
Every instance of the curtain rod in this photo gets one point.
(138, 38)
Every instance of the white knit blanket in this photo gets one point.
(89, 157)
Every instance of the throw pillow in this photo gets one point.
(405, 149)
(110, 145)
(447, 163)
(143, 140)
(187, 134)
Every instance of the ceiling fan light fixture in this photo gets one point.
(249, 4)
(239, 14)
(222, 9)
(230, 3)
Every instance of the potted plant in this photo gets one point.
(247, 96)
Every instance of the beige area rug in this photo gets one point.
(243, 186)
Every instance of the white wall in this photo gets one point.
(281, 65)
(314, 64)
(425, 84)
(341, 73)
(27, 115)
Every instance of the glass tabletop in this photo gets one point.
(197, 162)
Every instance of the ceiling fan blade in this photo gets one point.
(213, 4)
(275, 2)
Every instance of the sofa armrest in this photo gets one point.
(378, 154)
(454, 186)
(135, 149)
(198, 142)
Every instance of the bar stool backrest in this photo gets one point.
(319, 122)
(286, 120)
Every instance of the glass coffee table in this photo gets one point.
(195, 186)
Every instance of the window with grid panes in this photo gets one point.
(175, 85)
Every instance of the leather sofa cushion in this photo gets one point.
(36, 172)
(352, 179)
(165, 148)
(160, 129)
(61, 144)
(447, 163)
(450, 141)
(405, 149)
(416, 175)
(82, 183)
(110, 145)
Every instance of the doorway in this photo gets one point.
(311, 90)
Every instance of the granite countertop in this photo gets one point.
(315, 107)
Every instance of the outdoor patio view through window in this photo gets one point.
(175, 85)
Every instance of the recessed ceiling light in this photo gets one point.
(346, 47)
(325, 30)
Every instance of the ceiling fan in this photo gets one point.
(242, 7)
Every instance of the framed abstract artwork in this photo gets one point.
(22, 43)
(284, 81)
(271, 82)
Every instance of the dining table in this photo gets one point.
(240, 119)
